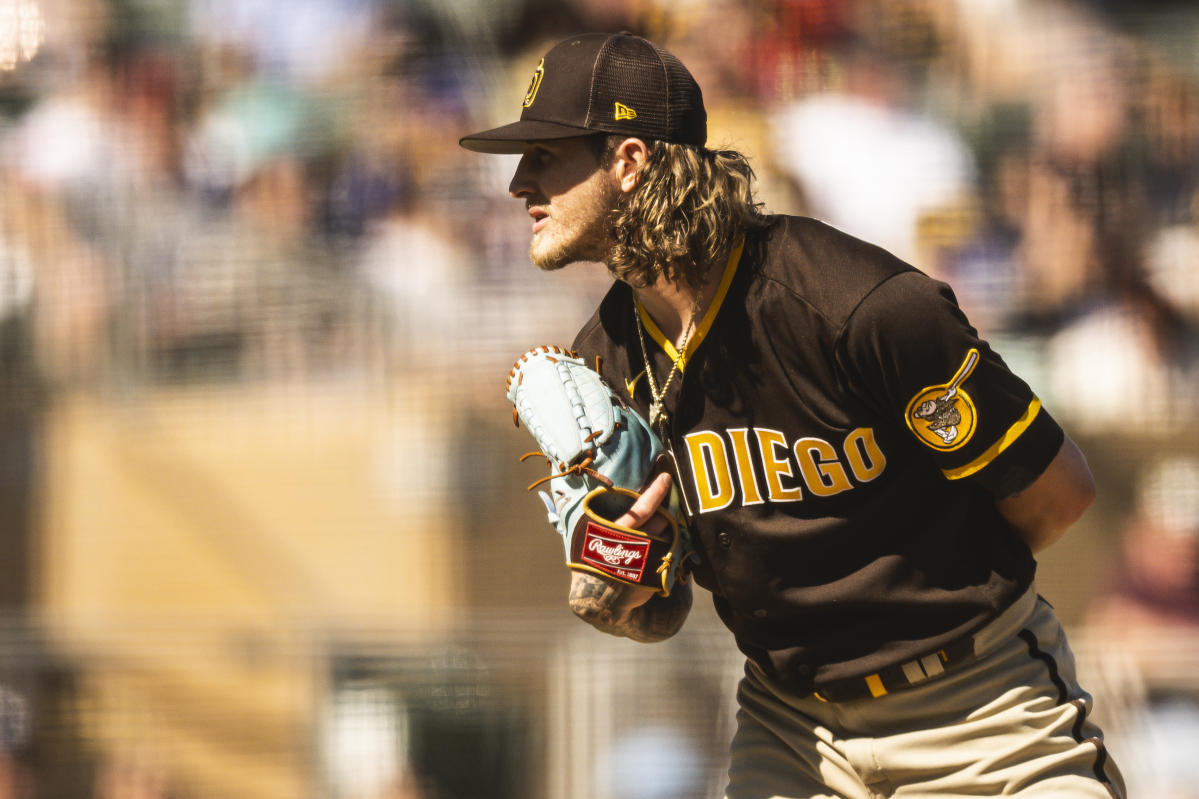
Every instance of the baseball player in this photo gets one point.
(866, 480)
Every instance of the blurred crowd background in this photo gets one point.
(263, 532)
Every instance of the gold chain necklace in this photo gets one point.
(657, 412)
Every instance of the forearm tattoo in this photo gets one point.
(602, 603)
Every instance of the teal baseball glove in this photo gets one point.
(601, 454)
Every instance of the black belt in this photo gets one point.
(896, 678)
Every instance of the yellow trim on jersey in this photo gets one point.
(1005, 441)
(705, 324)
(631, 385)
(875, 684)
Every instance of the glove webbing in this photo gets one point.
(576, 402)
(581, 468)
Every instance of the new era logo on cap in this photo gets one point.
(603, 83)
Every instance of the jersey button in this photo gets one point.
(760, 613)
(725, 539)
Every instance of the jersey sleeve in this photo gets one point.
(910, 353)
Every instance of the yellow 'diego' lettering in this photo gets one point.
(746, 475)
(710, 470)
(776, 468)
(865, 458)
(822, 472)
(821, 467)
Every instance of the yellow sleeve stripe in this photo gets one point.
(875, 684)
(1006, 440)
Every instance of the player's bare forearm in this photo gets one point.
(1043, 511)
(629, 611)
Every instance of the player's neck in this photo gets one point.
(671, 304)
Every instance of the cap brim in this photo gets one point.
(512, 138)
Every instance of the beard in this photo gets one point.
(551, 254)
(578, 233)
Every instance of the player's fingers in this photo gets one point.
(642, 511)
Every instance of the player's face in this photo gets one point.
(569, 197)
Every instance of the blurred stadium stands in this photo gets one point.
(264, 534)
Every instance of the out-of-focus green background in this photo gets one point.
(263, 532)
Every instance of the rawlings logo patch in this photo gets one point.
(943, 416)
(618, 554)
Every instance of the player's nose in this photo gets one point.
(522, 183)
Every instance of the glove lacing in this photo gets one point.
(579, 469)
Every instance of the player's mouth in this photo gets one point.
(540, 218)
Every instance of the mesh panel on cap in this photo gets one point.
(687, 119)
(628, 71)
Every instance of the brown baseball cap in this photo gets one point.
(603, 83)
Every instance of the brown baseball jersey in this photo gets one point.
(842, 434)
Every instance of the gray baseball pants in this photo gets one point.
(1012, 721)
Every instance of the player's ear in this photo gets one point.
(627, 161)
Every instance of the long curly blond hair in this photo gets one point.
(689, 207)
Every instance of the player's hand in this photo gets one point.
(641, 515)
